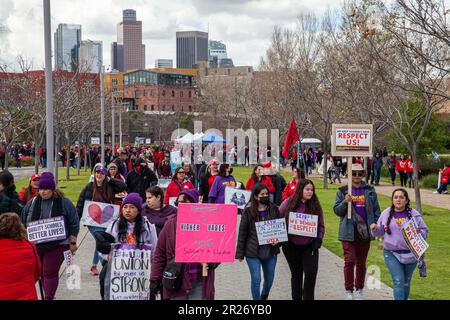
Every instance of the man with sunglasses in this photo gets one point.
(354, 233)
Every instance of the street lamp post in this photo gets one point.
(113, 133)
(102, 114)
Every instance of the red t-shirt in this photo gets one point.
(211, 181)
(289, 190)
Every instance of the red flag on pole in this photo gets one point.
(291, 137)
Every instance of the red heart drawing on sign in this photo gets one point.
(95, 212)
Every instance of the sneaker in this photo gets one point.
(94, 271)
(445, 192)
(348, 295)
(435, 192)
(358, 295)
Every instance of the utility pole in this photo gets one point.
(113, 133)
(48, 88)
(102, 114)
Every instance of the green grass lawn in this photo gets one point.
(433, 287)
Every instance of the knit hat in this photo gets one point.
(101, 169)
(133, 198)
(47, 181)
(192, 194)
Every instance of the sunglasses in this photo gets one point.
(357, 174)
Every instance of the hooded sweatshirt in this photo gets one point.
(158, 217)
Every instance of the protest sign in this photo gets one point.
(151, 166)
(237, 196)
(95, 140)
(172, 201)
(205, 232)
(175, 160)
(47, 230)
(271, 230)
(414, 240)
(164, 183)
(303, 224)
(98, 214)
(128, 276)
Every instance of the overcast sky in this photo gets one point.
(244, 26)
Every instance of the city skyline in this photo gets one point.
(245, 26)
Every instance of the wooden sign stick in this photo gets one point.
(204, 269)
(349, 178)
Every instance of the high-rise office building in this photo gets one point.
(163, 63)
(67, 46)
(192, 47)
(128, 52)
(91, 56)
(217, 55)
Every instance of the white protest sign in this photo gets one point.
(413, 239)
(237, 196)
(172, 201)
(164, 183)
(99, 214)
(47, 230)
(95, 140)
(270, 230)
(151, 166)
(352, 140)
(128, 275)
(303, 224)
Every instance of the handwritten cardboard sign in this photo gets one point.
(414, 240)
(303, 224)
(270, 230)
(47, 230)
(206, 232)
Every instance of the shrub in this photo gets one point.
(430, 181)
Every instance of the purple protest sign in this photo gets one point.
(47, 230)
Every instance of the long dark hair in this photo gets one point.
(175, 175)
(223, 170)
(392, 211)
(123, 228)
(107, 189)
(254, 176)
(300, 173)
(7, 180)
(312, 205)
(256, 190)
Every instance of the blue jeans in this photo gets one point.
(442, 187)
(97, 257)
(268, 266)
(401, 275)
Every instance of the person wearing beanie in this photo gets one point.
(103, 189)
(26, 194)
(141, 178)
(131, 227)
(194, 286)
(51, 203)
(9, 200)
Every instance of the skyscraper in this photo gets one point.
(91, 56)
(67, 46)
(164, 63)
(192, 47)
(128, 52)
(217, 55)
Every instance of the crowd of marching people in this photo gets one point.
(148, 215)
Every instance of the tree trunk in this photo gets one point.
(325, 163)
(6, 148)
(416, 179)
(67, 156)
(56, 157)
(36, 151)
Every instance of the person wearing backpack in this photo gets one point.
(399, 259)
(131, 227)
(177, 185)
(179, 281)
(301, 252)
(354, 233)
(260, 208)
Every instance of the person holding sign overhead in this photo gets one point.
(354, 233)
(304, 216)
(52, 224)
(177, 185)
(104, 190)
(399, 258)
(260, 208)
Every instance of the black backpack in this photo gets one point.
(173, 276)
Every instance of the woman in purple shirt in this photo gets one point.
(301, 252)
(225, 179)
(399, 259)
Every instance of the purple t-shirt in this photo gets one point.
(359, 201)
(218, 187)
(400, 218)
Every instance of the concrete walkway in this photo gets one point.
(232, 279)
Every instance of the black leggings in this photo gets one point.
(393, 175)
(403, 179)
(302, 260)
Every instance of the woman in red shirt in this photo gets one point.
(401, 167)
(177, 185)
(297, 175)
(257, 176)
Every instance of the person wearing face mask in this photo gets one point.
(224, 179)
(131, 228)
(141, 178)
(51, 203)
(301, 252)
(177, 185)
(354, 233)
(399, 259)
(155, 210)
(102, 189)
(194, 286)
(260, 208)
